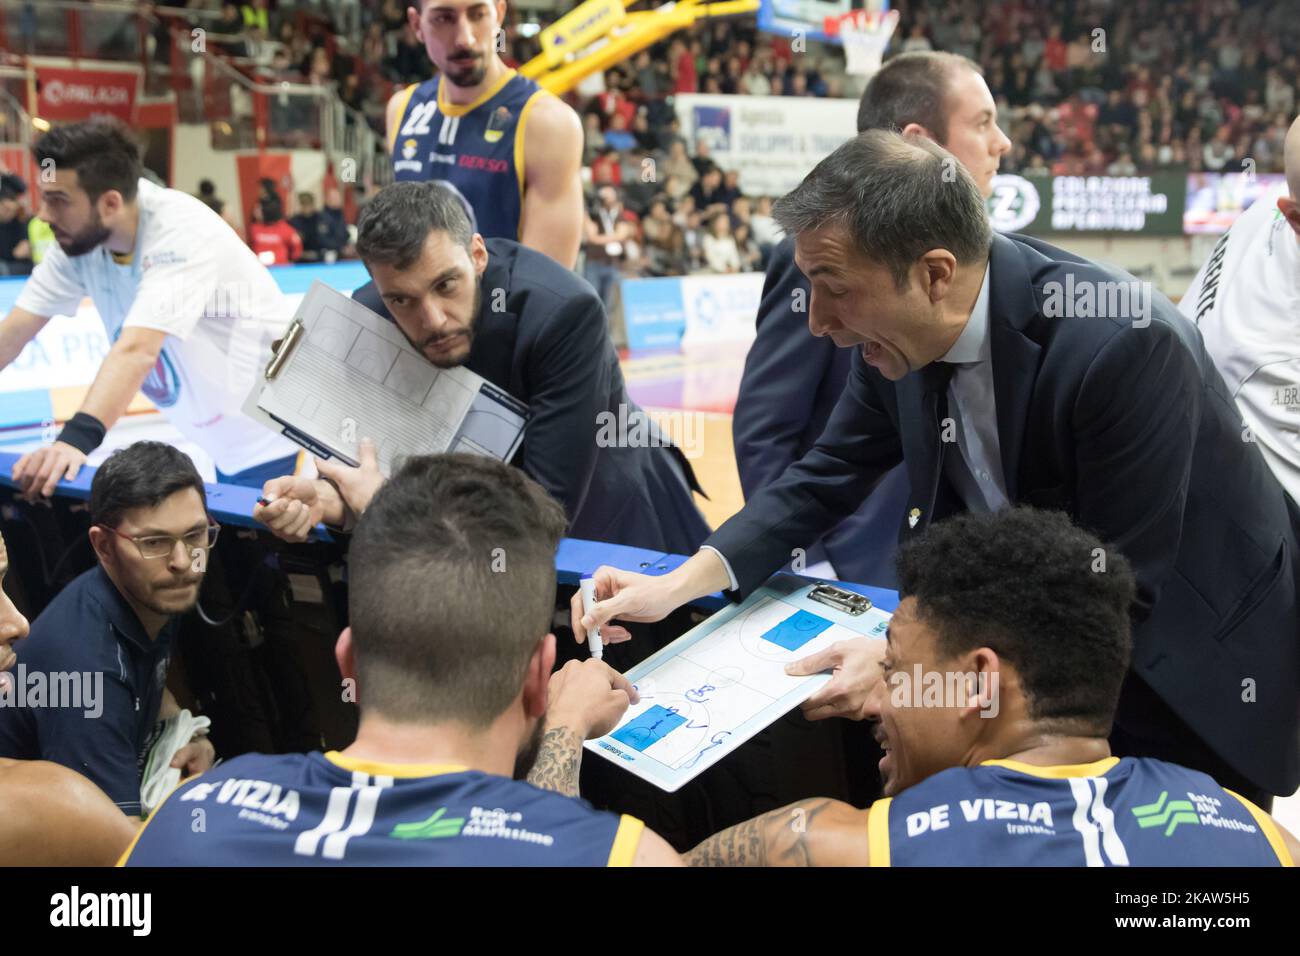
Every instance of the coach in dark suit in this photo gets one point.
(793, 379)
(791, 383)
(539, 332)
(1000, 372)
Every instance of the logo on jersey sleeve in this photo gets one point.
(163, 385)
(408, 160)
(498, 123)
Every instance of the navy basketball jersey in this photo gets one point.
(330, 810)
(477, 148)
(1129, 812)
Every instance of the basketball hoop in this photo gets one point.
(865, 34)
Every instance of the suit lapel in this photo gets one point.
(493, 352)
(1014, 355)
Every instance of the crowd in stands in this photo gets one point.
(1084, 87)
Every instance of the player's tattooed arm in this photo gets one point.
(818, 832)
(558, 761)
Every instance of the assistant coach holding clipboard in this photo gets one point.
(998, 371)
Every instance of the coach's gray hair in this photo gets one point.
(395, 224)
(898, 197)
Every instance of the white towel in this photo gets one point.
(160, 777)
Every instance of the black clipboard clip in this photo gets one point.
(291, 339)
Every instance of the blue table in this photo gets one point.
(232, 505)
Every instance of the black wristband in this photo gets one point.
(83, 432)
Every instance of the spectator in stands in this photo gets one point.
(275, 242)
(766, 232)
(607, 168)
(645, 136)
(231, 28)
(617, 136)
(312, 227)
(257, 17)
(1218, 151)
(730, 191)
(665, 242)
(679, 164)
(608, 233)
(709, 195)
(703, 158)
(751, 257)
(113, 626)
(207, 195)
(754, 82)
(15, 245)
(719, 246)
(410, 62)
(374, 48)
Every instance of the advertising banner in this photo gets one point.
(1079, 205)
(774, 141)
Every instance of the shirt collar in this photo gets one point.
(972, 346)
(118, 611)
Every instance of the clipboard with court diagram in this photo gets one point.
(724, 680)
(343, 373)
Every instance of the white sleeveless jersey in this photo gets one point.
(1246, 301)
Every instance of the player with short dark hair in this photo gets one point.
(466, 127)
(451, 596)
(1002, 674)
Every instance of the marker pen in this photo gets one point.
(588, 587)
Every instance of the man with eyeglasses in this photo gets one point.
(89, 686)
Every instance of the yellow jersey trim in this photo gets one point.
(123, 258)
(626, 841)
(401, 114)
(121, 860)
(453, 109)
(1268, 828)
(1094, 769)
(379, 769)
(878, 832)
(519, 153)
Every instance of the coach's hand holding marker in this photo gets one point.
(629, 596)
(588, 588)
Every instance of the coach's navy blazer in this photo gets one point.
(545, 340)
(1132, 432)
(791, 383)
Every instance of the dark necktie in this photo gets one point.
(934, 399)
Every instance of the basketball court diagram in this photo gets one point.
(696, 700)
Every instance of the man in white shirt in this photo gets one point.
(190, 311)
(1246, 300)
